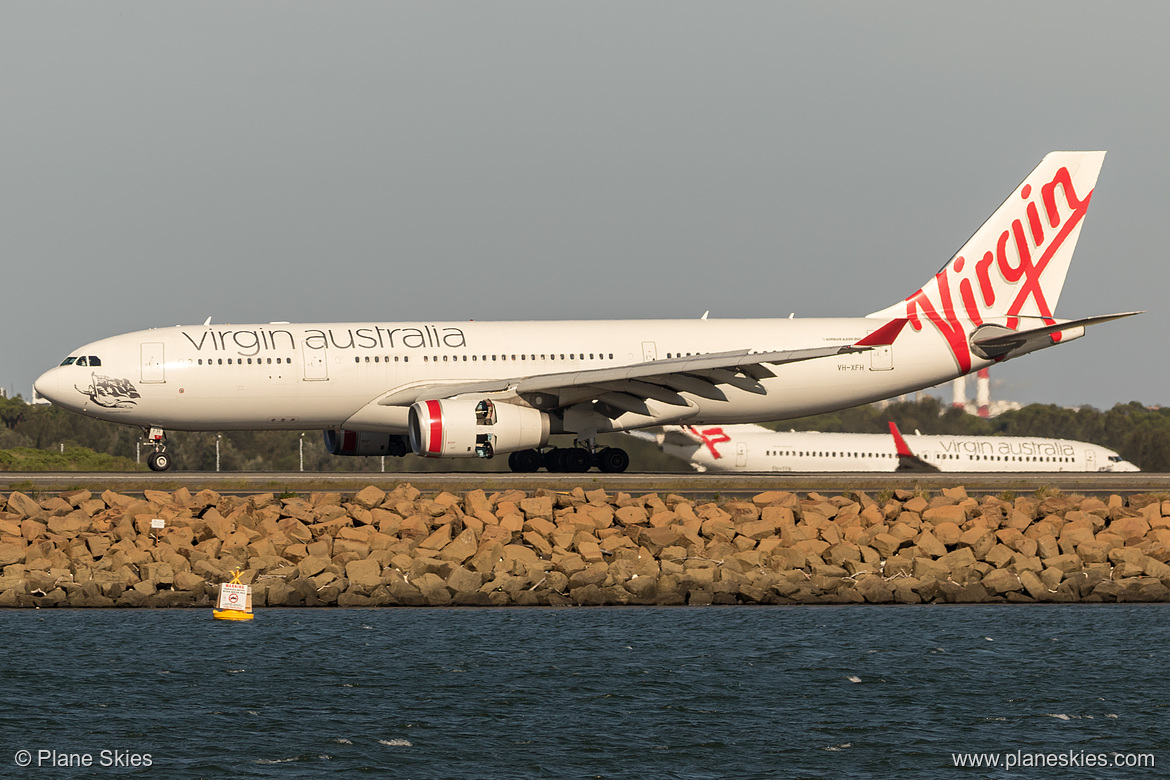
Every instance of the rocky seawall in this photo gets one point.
(400, 548)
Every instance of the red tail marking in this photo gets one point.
(1026, 273)
(710, 438)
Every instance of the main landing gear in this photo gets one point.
(158, 460)
(572, 460)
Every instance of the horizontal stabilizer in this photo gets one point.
(994, 340)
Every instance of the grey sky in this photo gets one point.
(162, 162)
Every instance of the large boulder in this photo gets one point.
(1001, 581)
(365, 574)
(461, 548)
(369, 497)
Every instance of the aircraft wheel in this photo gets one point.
(525, 461)
(158, 461)
(554, 460)
(613, 460)
(577, 460)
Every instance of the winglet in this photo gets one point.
(907, 460)
(900, 443)
(885, 335)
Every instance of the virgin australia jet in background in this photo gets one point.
(479, 389)
(755, 448)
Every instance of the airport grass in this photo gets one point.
(73, 459)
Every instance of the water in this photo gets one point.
(752, 692)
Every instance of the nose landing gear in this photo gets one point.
(158, 460)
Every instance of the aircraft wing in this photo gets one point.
(627, 388)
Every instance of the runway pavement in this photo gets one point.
(682, 483)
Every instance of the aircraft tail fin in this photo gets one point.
(1015, 264)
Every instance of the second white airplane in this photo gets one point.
(753, 448)
(482, 389)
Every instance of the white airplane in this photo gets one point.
(479, 389)
(755, 448)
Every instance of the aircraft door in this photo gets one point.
(649, 351)
(740, 454)
(316, 364)
(881, 358)
(1090, 460)
(152, 362)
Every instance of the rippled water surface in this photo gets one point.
(752, 692)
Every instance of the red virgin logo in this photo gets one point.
(1014, 267)
(710, 438)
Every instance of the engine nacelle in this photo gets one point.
(365, 443)
(474, 428)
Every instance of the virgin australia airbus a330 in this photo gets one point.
(480, 389)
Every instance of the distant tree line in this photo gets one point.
(1139, 434)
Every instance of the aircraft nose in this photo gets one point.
(47, 383)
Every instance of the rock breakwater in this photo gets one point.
(400, 548)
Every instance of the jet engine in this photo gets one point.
(345, 442)
(474, 428)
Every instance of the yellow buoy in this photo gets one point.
(235, 600)
(231, 614)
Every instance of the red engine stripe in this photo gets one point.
(435, 442)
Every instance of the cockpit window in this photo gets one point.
(1115, 458)
(82, 361)
(94, 360)
(68, 361)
